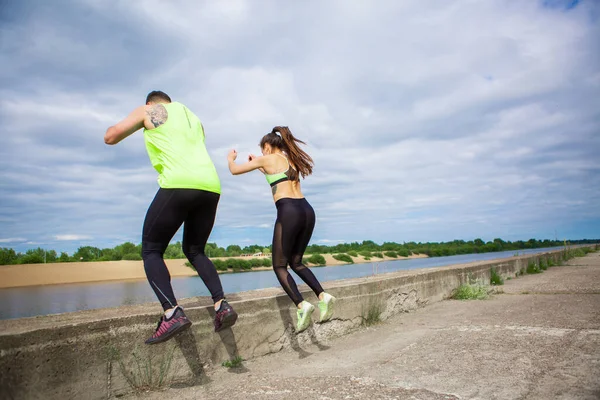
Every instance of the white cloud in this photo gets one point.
(427, 121)
(72, 237)
(12, 240)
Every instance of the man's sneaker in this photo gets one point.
(168, 327)
(304, 316)
(225, 317)
(326, 307)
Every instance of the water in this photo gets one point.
(53, 299)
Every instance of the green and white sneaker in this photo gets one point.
(326, 307)
(304, 315)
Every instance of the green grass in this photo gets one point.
(371, 313)
(378, 254)
(468, 291)
(343, 257)
(391, 254)
(353, 253)
(316, 259)
(148, 371)
(367, 258)
(495, 278)
(403, 253)
(533, 268)
(235, 362)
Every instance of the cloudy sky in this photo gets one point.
(428, 120)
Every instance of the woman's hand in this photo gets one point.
(232, 155)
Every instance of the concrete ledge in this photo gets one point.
(98, 354)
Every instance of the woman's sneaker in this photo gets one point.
(168, 327)
(304, 316)
(326, 307)
(225, 317)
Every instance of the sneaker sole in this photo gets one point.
(329, 314)
(174, 332)
(229, 320)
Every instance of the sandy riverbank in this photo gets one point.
(81, 272)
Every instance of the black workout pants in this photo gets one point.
(196, 210)
(293, 229)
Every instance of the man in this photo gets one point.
(189, 194)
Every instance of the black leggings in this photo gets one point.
(293, 229)
(196, 210)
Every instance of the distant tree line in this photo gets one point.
(130, 251)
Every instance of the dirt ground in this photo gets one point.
(540, 339)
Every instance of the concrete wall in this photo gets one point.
(98, 354)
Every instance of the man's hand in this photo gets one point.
(126, 127)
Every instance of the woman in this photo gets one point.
(282, 163)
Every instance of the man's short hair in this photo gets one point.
(156, 96)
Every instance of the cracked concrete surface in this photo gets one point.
(513, 346)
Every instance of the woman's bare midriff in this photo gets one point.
(288, 189)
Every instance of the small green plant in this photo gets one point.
(391, 254)
(343, 257)
(145, 372)
(551, 263)
(508, 278)
(403, 253)
(578, 253)
(235, 362)
(267, 262)
(316, 259)
(533, 268)
(495, 278)
(378, 254)
(516, 254)
(367, 258)
(468, 291)
(353, 253)
(543, 264)
(371, 312)
(365, 253)
(189, 264)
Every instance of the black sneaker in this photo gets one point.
(225, 317)
(168, 327)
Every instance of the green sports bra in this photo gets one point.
(288, 175)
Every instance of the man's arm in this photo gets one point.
(126, 127)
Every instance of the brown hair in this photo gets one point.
(299, 159)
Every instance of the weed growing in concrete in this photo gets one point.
(533, 268)
(147, 372)
(543, 264)
(235, 362)
(371, 313)
(550, 262)
(495, 278)
(578, 253)
(470, 292)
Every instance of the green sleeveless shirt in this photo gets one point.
(177, 152)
